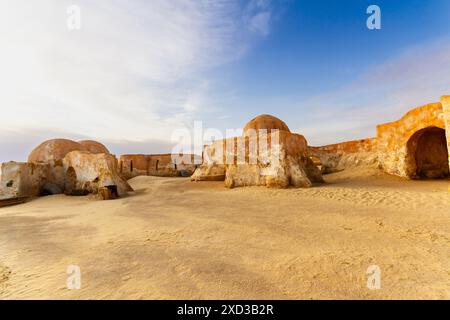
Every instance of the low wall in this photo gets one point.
(339, 156)
(167, 165)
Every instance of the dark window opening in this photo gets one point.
(113, 191)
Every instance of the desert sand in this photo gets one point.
(175, 239)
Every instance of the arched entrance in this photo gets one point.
(428, 154)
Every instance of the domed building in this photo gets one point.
(265, 122)
(267, 154)
(94, 146)
(54, 150)
(73, 168)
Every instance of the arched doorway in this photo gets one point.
(428, 154)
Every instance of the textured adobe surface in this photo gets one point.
(265, 122)
(94, 146)
(54, 150)
(90, 173)
(340, 156)
(274, 157)
(397, 141)
(163, 165)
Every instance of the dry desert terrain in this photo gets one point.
(175, 239)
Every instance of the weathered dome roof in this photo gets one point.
(54, 150)
(94, 146)
(266, 121)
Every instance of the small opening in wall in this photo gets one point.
(157, 164)
(108, 192)
(10, 183)
(113, 191)
(131, 165)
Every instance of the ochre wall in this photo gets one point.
(154, 165)
(133, 165)
(393, 138)
(20, 179)
(339, 156)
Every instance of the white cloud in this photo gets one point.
(136, 70)
(260, 23)
(258, 16)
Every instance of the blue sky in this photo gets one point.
(318, 47)
(137, 71)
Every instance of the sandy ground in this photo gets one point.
(174, 239)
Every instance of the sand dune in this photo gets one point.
(174, 239)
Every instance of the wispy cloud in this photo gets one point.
(258, 16)
(260, 23)
(382, 93)
(135, 70)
